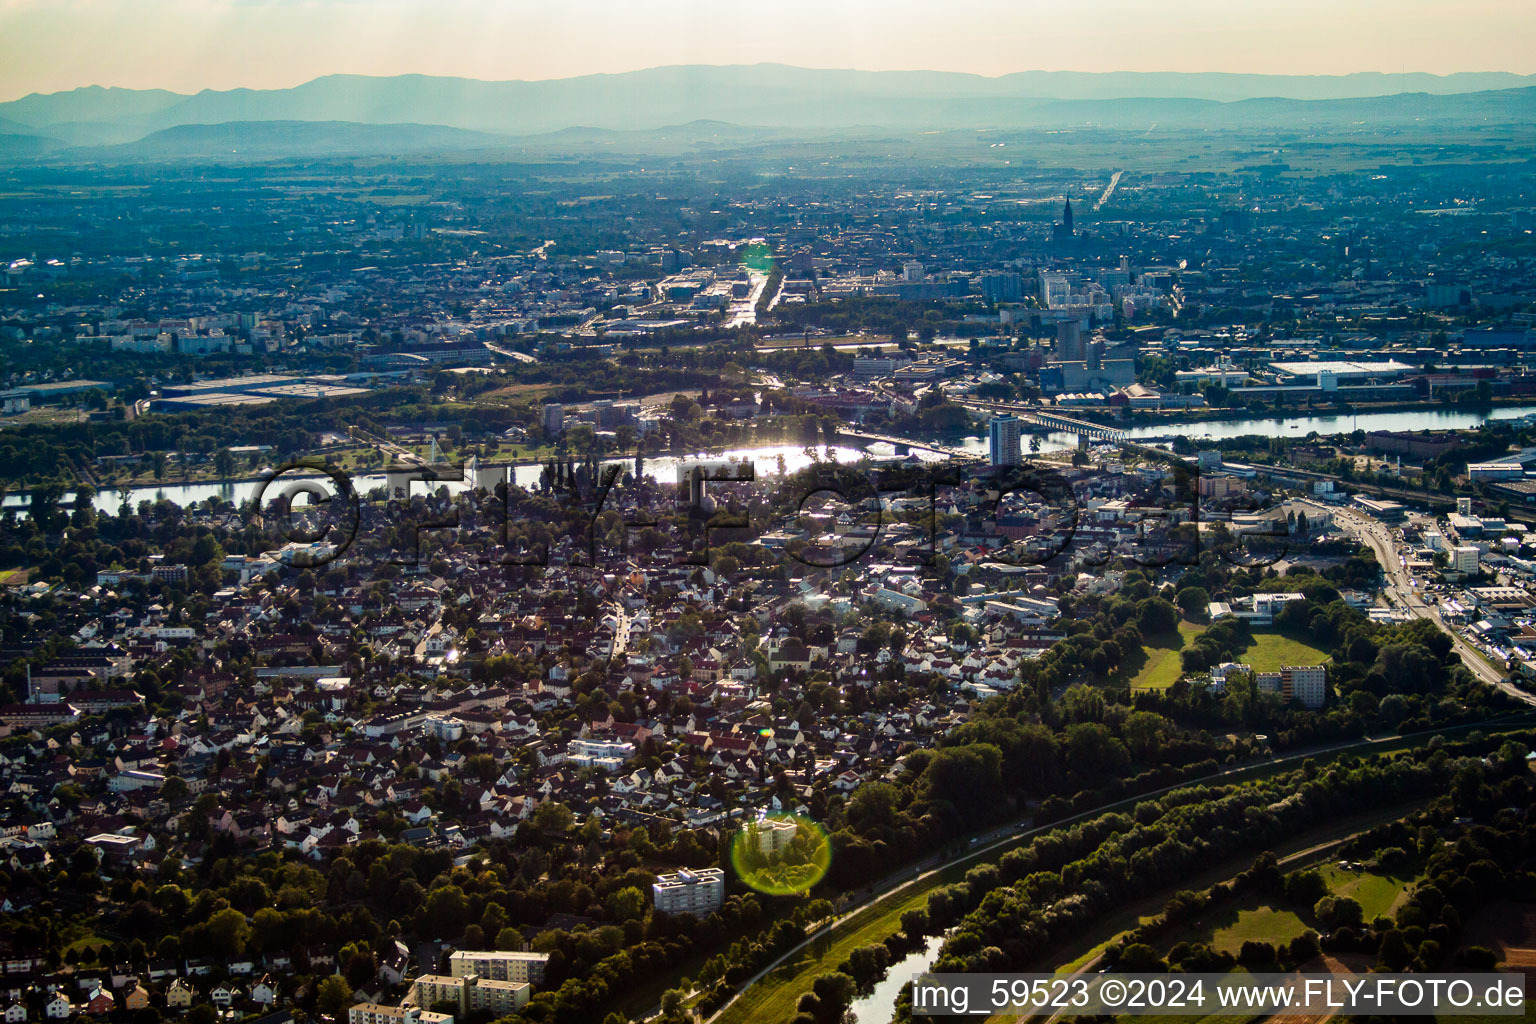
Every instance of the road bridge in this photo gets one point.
(898, 442)
(1042, 418)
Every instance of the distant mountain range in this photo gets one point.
(418, 113)
(256, 140)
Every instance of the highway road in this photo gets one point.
(744, 311)
(621, 631)
(1113, 181)
(1401, 591)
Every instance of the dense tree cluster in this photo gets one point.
(1011, 915)
(1479, 864)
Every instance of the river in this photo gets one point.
(880, 1005)
(1296, 426)
(664, 468)
(1301, 426)
(766, 458)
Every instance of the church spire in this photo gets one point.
(1066, 217)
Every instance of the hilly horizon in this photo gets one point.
(102, 123)
(1045, 84)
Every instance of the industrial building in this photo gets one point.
(254, 389)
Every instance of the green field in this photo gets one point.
(1162, 667)
(1376, 894)
(1256, 924)
(1227, 928)
(1272, 649)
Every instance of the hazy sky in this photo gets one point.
(186, 45)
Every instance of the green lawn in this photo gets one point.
(1256, 924)
(1376, 894)
(1229, 926)
(1272, 649)
(1162, 666)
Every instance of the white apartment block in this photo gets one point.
(1305, 683)
(498, 965)
(697, 892)
(604, 755)
(470, 993)
(376, 1013)
(773, 834)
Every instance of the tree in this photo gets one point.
(1192, 601)
(1155, 615)
(873, 804)
(1144, 732)
(1256, 954)
(835, 990)
(673, 1005)
(228, 931)
(333, 994)
(447, 911)
(627, 904)
(1303, 947)
(1477, 958)
(1093, 751)
(552, 819)
(1140, 958)
(970, 778)
(1393, 954)
(1338, 912)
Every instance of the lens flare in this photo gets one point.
(781, 854)
(757, 256)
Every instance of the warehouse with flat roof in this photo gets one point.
(256, 389)
(1343, 369)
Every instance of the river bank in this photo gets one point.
(524, 473)
(1210, 415)
(765, 457)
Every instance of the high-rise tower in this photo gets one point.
(1003, 440)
